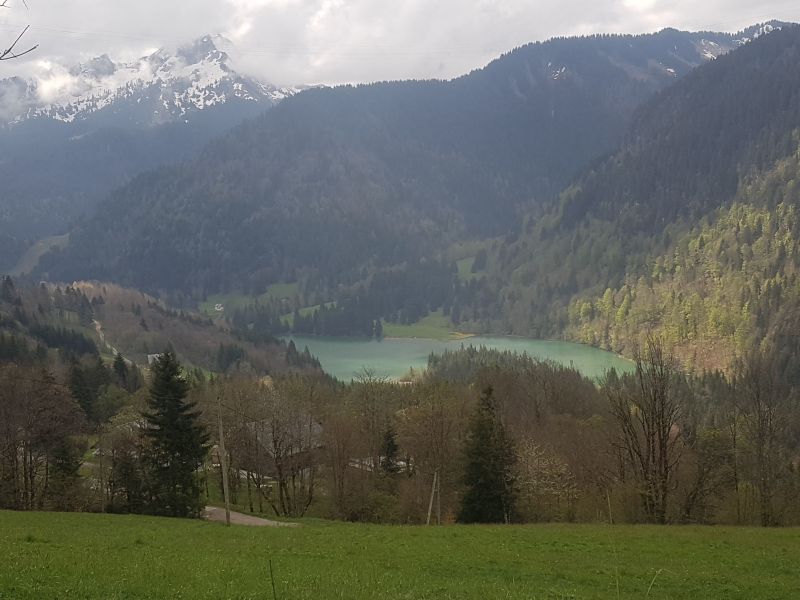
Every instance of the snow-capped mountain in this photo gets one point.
(71, 135)
(163, 87)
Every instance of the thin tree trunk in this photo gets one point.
(430, 502)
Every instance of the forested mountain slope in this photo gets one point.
(57, 327)
(334, 183)
(113, 121)
(729, 281)
(690, 229)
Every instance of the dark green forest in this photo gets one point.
(384, 174)
(359, 194)
(687, 230)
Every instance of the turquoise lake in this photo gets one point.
(393, 357)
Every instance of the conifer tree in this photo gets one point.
(63, 476)
(81, 390)
(489, 473)
(389, 451)
(121, 371)
(178, 443)
(7, 291)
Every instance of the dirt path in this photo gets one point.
(217, 514)
(99, 329)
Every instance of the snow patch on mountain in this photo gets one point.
(711, 50)
(758, 31)
(173, 83)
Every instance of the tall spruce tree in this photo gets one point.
(489, 472)
(178, 443)
(82, 391)
(389, 451)
(121, 371)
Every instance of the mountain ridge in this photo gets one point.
(194, 76)
(414, 165)
(112, 122)
(687, 230)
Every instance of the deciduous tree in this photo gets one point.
(647, 407)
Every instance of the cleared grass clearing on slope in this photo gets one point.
(434, 326)
(30, 258)
(233, 301)
(48, 555)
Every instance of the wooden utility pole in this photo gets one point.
(433, 493)
(223, 464)
(438, 498)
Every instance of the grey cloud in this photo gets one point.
(333, 41)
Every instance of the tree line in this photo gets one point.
(45, 445)
(481, 436)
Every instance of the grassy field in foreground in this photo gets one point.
(434, 327)
(45, 555)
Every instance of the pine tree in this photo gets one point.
(7, 291)
(178, 443)
(63, 476)
(121, 371)
(389, 451)
(490, 458)
(82, 391)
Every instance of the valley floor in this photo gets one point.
(47, 555)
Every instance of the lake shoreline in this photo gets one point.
(393, 356)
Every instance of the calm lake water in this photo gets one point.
(345, 357)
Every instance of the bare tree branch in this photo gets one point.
(10, 53)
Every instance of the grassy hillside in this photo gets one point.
(435, 326)
(54, 325)
(138, 325)
(232, 301)
(30, 259)
(47, 555)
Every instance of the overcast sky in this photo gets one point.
(333, 41)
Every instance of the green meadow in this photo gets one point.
(47, 555)
(232, 302)
(28, 261)
(434, 326)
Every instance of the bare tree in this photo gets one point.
(646, 407)
(13, 50)
(371, 400)
(710, 473)
(762, 397)
(38, 423)
(272, 439)
(339, 436)
(432, 429)
(293, 436)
